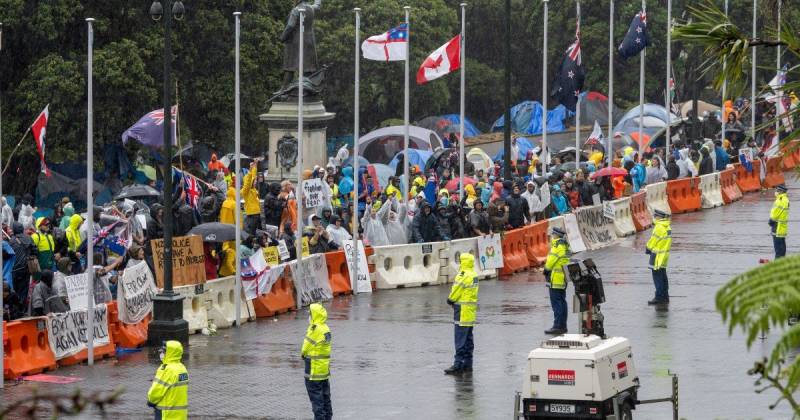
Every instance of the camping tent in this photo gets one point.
(446, 124)
(381, 145)
(524, 146)
(479, 159)
(655, 118)
(594, 107)
(526, 118)
(702, 107)
(415, 157)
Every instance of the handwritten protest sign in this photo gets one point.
(76, 291)
(313, 192)
(283, 250)
(311, 280)
(272, 256)
(67, 331)
(597, 230)
(136, 291)
(188, 260)
(490, 252)
(362, 284)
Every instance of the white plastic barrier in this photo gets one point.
(411, 265)
(657, 197)
(194, 306)
(711, 190)
(452, 265)
(571, 228)
(623, 221)
(596, 230)
(221, 305)
(554, 222)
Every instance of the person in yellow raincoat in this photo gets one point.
(169, 392)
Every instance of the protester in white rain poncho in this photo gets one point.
(395, 223)
(6, 214)
(337, 232)
(532, 196)
(26, 216)
(372, 222)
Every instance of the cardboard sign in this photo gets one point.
(76, 291)
(362, 283)
(311, 280)
(188, 261)
(573, 233)
(136, 291)
(313, 192)
(490, 252)
(283, 250)
(608, 210)
(67, 331)
(272, 256)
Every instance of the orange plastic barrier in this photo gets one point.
(730, 191)
(748, 181)
(536, 243)
(684, 195)
(26, 348)
(279, 300)
(774, 175)
(129, 336)
(100, 352)
(515, 256)
(338, 273)
(789, 161)
(641, 215)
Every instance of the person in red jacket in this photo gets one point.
(572, 193)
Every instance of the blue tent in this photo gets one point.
(655, 118)
(526, 118)
(469, 129)
(415, 157)
(524, 146)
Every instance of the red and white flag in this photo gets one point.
(444, 60)
(39, 129)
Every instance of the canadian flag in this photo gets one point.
(444, 60)
(39, 129)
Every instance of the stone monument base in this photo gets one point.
(282, 121)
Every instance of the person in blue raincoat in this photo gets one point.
(364, 189)
(560, 203)
(430, 190)
(346, 184)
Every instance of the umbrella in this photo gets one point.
(137, 190)
(609, 171)
(229, 161)
(217, 232)
(452, 185)
(434, 159)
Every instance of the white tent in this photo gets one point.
(381, 145)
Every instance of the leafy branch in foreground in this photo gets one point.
(763, 298)
(60, 404)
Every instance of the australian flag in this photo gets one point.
(571, 75)
(636, 39)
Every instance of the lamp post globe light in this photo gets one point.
(168, 322)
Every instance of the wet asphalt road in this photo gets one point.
(389, 348)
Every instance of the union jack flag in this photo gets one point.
(192, 190)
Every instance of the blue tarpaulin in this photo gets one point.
(415, 157)
(524, 146)
(526, 118)
(469, 129)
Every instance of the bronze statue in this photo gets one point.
(291, 40)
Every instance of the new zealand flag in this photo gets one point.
(571, 75)
(636, 39)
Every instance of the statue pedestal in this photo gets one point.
(282, 120)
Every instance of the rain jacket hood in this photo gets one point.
(318, 314)
(75, 221)
(467, 262)
(174, 352)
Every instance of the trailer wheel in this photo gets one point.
(626, 411)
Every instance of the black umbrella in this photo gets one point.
(138, 190)
(217, 232)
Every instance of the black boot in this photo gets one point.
(555, 331)
(452, 370)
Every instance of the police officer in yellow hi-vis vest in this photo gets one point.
(658, 247)
(464, 300)
(316, 354)
(556, 281)
(779, 220)
(169, 393)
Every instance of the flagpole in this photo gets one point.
(406, 111)
(24, 136)
(507, 93)
(462, 101)
(724, 87)
(2, 339)
(753, 76)
(89, 190)
(299, 196)
(356, 128)
(237, 150)
(778, 54)
(609, 149)
(578, 103)
(641, 90)
(545, 157)
(668, 92)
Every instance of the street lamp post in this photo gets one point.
(168, 322)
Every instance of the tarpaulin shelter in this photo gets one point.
(446, 124)
(381, 145)
(526, 118)
(524, 146)
(415, 157)
(594, 107)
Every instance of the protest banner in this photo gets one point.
(596, 230)
(258, 276)
(135, 293)
(188, 261)
(362, 284)
(272, 255)
(283, 250)
(76, 291)
(573, 233)
(311, 280)
(313, 192)
(490, 252)
(67, 331)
